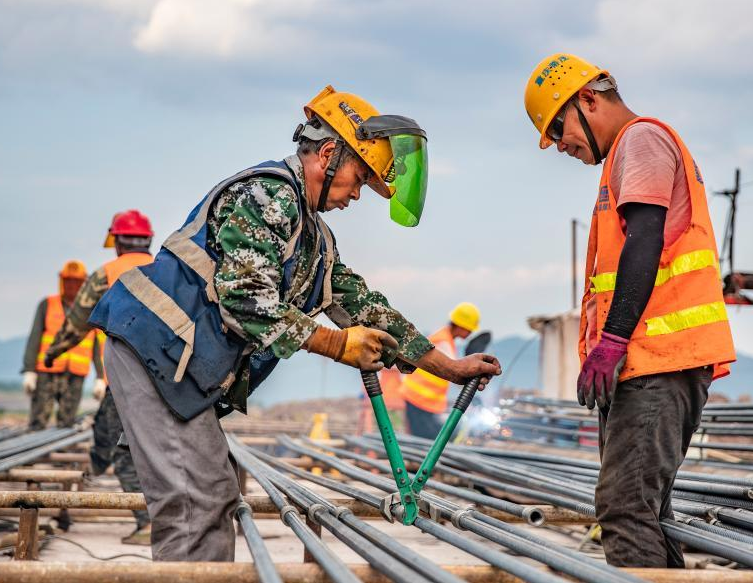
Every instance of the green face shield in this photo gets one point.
(410, 172)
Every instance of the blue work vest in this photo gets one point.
(168, 313)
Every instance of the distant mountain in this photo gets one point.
(308, 376)
(11, 360)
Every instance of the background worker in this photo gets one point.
(654, 329)
(391, 381)
(130, 234)
(425, 394)
(61, 380)
(235, 290)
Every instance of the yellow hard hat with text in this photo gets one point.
(344, 112)
(466, 315)
(555, 80)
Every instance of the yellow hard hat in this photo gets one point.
(345, 112)
(466, 315)
(555, 80)
(73, 269)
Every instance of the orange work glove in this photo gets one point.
(358, 346)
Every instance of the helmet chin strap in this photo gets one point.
(598, 157)
(329, 174)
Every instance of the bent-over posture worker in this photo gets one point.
(235, 290)
(654, 329)
(425, 394)
(130, 234)
(61, 380)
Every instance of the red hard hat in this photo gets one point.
(131, 223)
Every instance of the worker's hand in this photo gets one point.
(598, 377)
(364, 347)
(485, 366)
(100, 386)
(29, 382)
(48, 359)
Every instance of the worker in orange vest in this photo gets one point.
(61, 380)
(391, 381)
(426, 394)
(130, 234)
(654, 330)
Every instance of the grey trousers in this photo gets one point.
(189, 482)
(643, 438)
(105, 451)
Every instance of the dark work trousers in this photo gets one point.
(422, 423)
(106, 451)
(643, 438)
(63, 387)
(190, 485)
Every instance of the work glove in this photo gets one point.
(100, 386)
(357, 346)
(598, 377)
(29, 382)
(48, 360)
(364, 347)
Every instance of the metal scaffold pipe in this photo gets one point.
(262, 559)
(430, 569)
(581, 566)
(330, 563)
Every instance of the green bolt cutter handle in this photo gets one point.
(432, 457)
(408, 489)
(391, 446)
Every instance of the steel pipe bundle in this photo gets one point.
(37, 450)
(569, 562)
(574, 480)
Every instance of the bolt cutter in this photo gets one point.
(406, 502)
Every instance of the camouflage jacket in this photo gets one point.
(249, 228)
(76, 324)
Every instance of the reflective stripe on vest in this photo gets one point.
(168, 313)
(425, 390)
(685, 263)
(76, 360)
(686, 319)
(684, 324)
(114, 270)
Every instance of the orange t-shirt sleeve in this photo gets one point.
(644, 166)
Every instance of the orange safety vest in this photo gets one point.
(114, 269)
(685, 322)
(425, 390)
(78, 358)
(391, 381)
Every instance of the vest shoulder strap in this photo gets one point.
(181, 242)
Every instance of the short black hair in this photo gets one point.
(131, 243)
(307, 146)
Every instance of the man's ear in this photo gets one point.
(325, 154)
(587, 99)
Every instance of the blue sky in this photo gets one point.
(114, 104)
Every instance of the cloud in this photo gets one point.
(224, 29)
(691, 39)
(482, 279)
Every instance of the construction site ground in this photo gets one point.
(97, 538)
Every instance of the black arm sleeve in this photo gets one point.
(639, 262)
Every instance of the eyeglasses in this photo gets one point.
(556, 129)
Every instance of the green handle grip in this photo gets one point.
(391, 446)
(431, 459)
